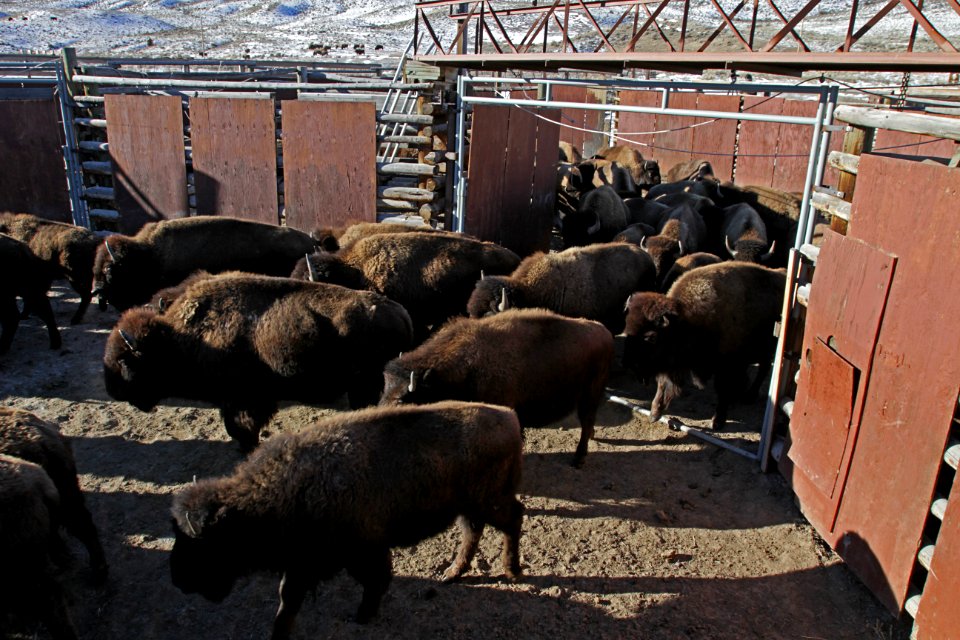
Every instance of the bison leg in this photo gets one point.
(587, 413)
(57, 618)
(293, 588)
(667, 390)
(85, 299)
(40, 306)
(244, 423)
(470, 532)
(80, 524)
(373, 570)
(9, 319)
(728, 382)
(753, 392)
(509, 520)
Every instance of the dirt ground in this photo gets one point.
(658, 536)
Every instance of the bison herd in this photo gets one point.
(460, 342)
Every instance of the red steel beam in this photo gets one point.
(935, 35)
(791, 31)
(723, 25)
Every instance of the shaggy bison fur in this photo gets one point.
(338, 238)
(26, 436)
(601, 214)
(68, 249)
(430, 274)
(687, 263)
(542, 365)
(745, 234)
(244, 342)
(341, 493)
(29, 544)
(28, 277)
(128, 270)
(717, 319)
(583, 282)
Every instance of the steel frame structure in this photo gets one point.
(827, 95)
(637, 18)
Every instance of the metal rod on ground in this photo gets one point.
(676, 425)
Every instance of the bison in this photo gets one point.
(128, 270)
(335, 239)
(687, 263)
(704, 188)
(28, 277)
(681, 231)
(645, 173)
(582, 282)
(26, 436)
(541, 364)
(745, 234)
(569, 153)
(431, 275)
(601, 214)
(162, 299)
(29, 543)
(715, 320)
(68, 249)
(244, 342)
(341, 493)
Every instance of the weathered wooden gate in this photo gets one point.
(512, 177)
(879, 382)
(32, 180)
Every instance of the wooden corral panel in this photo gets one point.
(33, 179)
(915, 374)
(235, 158)
(848, 298)
(715, 141)
(676, 143)
(793, 147)
(757, 151)
(329, 163)
(939, 616)
(636, 129)
(913, 144)
(512, 177)
(145, 134)
(575, 121)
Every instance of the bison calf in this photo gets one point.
(28, 277)
(340, 494)
(581, 282)
(26, 436)
(29, 541)
(543, 365)
(244, 342)
(717, 319)
(127, 271)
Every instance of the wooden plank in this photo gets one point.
(831, 205)
(718, 137)
(33, 179)
(793, 147)
(757, 151)
(489, 141)
(936, 126)
(938, 616)
(844, 161)
(570, 118)
(636, 129)
(913, 381)
(848, 301)
(675, 146)
(329, 163)
(145, 134)
(235, 158)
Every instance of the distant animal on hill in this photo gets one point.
(341, 493)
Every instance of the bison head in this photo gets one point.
(751, 250)
(664, 252)
(133, 362)
(653, 333)
(649, 173)
(206, 558)
(404, 384)
(328, 268)
(492, 295)
(125, 272)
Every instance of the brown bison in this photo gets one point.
(164, 298)
(68, 249)
(430, 274)
(244, 342)
(715, 320)
(645, 173)
(128, 270)
(687, 263)
(26, 436)
(28, 277)
(542, 365)
(342, 493)
(29, 543)
(681, 231)
(582, 282)
(745, 234)
(601, 214)
(337, 238)
(569, 153)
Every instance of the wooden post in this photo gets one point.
(856, 141)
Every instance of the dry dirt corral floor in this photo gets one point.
(658, 536)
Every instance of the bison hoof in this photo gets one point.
(452, 573)
(578, 460)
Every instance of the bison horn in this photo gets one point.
(190, 528)
(160, 305)
(109, 251)
(504, 303)
(413, 383)
(482, 274)
(726, 241)
(680, 244)
(594, 228)
(128, 340)
(310, 274)
(773, 246)
(643, 243)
